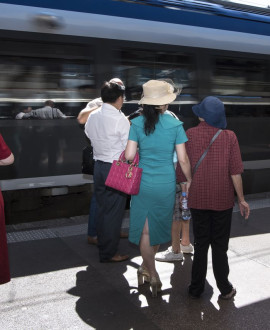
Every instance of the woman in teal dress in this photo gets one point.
(156, 135)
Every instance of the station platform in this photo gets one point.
(59, 283)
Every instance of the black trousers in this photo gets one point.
(111, 207)
(210, 228)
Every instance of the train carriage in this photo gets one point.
(64, 50)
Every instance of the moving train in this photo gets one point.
(64, 50)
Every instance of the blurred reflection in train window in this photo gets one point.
(244, 77)
(135, 67)
(29, 81)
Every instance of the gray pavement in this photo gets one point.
(58, 282)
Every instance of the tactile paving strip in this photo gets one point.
(30, 235)
(54, 232)
(66, 231)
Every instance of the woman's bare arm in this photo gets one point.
(131, 150)
(184, 163)
(238, 186)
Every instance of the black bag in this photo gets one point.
(88, 161)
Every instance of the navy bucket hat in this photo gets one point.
(212, 110)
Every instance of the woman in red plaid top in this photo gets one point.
(211, 195)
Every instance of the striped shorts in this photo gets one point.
(177, 214)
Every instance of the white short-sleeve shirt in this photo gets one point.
(108, 130)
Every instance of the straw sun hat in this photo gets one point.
(157, 92)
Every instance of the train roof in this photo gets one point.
(187, 23)
(109, 7)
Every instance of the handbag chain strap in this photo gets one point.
(206, 150)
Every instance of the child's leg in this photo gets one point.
(185, 232)
(176, 225)
(185, 245)
(176, 228)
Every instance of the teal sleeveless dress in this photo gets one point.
(156, 197)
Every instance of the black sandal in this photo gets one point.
(228, 296)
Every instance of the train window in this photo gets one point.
(240, 77)
(136, 67)
(31, 73)
(29, 81)
(243, 84)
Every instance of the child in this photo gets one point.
(175, 252)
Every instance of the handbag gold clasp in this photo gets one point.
(129, 172)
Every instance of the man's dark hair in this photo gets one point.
(49, 103)
(110, 92)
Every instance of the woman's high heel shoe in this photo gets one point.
(142, 275)
(156, 285)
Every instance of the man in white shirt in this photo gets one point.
(82, 118)
(47, 112)
(108, 129)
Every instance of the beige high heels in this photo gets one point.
(142, 275)
(156, 285)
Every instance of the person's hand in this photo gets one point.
(187, 187)
(244, 208)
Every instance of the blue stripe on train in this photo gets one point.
(217, 18)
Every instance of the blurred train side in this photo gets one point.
(64, 51)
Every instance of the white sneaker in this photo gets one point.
(187, 248)
(169, 256)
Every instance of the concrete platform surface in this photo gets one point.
(58, 282)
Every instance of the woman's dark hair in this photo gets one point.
(110, 92)
(151, 115)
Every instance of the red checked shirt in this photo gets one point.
(212, 187)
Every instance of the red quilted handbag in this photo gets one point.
(125, 177)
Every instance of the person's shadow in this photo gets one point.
(108, 301)
(200, 313)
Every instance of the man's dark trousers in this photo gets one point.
(210, 228)
(111, 207)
